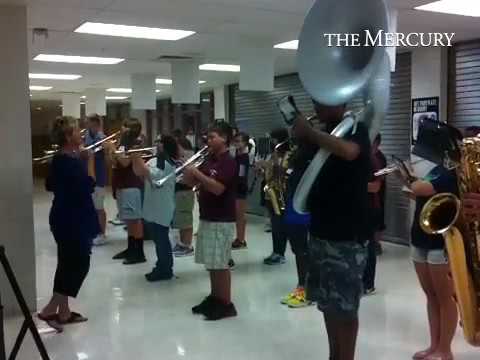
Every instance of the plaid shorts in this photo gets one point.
(335, 277)
(214, 244)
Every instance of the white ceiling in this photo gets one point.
(223, 28)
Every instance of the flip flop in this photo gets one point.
(52, 321)
(73, 319)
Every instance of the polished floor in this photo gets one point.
(133, 319)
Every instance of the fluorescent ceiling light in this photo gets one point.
(289, 45)
(170, 82)
(116, 97)
(455, 7)
(54, 76)
(40, 88)
(78, 59)
(82, 103)
(220, 67)
(120, 90)
(139, 32)
(83, 97)
(158, 90)
(163, 81)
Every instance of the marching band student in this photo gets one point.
(217, 181)
(73, 221)
(431, 265)
(339, 229)
(184, 202)
(129, 195)
(243, 161)
(93, 135)
(159, 203)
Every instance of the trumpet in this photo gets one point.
(397, 165)
(98, 146)
(149, 152)
(196, 160)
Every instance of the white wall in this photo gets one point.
(16, 207)
(430, 75)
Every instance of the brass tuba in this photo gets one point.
(335, 75)
(442, 214)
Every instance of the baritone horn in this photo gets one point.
(442, 214)
(335, 75)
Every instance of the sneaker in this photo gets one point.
(299, 301)
(220, 311)
(369, 292)
(237, 245)
(155, 276)
(289, 297)
(205, 305)
(182, 251)
(100, 240)
(275, 259)
(231, 264)
(116, 222)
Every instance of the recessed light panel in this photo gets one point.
(455, 7)
(78, 59)
(220, 67)
(55, 76)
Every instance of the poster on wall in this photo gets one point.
(423, 109)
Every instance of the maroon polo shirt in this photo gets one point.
(219, 208)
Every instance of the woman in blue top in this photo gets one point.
(159, 203)
(73, 220)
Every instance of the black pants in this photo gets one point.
(371, 267)
(73, 264)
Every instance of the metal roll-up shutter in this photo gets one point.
(464, 85)
(256, 113)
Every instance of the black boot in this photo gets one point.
(136, 256)
(123, 254)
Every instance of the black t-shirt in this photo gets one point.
(442, 181)
(338, 201)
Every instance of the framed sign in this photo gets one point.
(423, 109)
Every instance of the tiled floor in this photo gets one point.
(133, 319)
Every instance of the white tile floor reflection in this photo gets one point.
(133, 319)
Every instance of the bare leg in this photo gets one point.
(241, 206)
(186, 237)
(433, 309)
(135, 229)
(52, 306)
(221, 285)
(448, 310)
(64, 309)
(102, 218)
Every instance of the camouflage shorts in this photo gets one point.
(335, 276)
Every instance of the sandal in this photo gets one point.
(73, 319)
(52, 321)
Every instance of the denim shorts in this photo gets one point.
(129, 203)
(335, 277)
(99, 198)
(429, 256)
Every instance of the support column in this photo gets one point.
(96, 102)
(219, 103)
(16, 188)
(71, 105)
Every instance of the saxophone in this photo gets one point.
(276, 186)
(442, 214)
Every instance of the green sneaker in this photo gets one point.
(299, 301)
